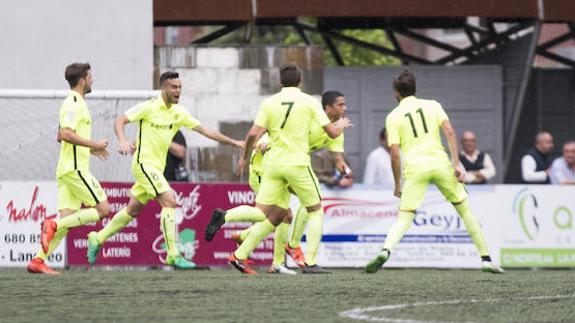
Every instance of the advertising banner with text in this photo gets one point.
(23, 207)
(142, 243)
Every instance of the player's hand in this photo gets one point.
(344, 122)
(102, 154)
(240, 144)
(241, 167)
(460, 173)
(397, 192)
(100, 144)
(345, 181)
(126, 148)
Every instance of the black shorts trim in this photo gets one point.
(88, 186)
(149, 179)
(75, 158)
(139, 142)
(314, 183)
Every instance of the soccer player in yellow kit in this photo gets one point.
(334, 106)
(287, 117)
(159, 119)
(76, 184)
(413, 132)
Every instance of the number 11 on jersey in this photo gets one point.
(412, 123)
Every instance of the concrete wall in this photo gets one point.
(39, 38)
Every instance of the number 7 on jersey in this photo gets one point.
(290, 106)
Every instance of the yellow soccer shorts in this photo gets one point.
(255, 180)
(150, 182)
(415, 186)
(79, 187)
(301, 179)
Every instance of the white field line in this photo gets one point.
(361, 313)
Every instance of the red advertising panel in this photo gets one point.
(142, 243)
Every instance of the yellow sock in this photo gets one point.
(398, 229)
(245, 233)
(298, 227)
(473, 227)
(168, 224)
(244, 213)
(313, 236)
(84, 216)
(58, 236)
(259, 231)
(280, 240)
(118, 222)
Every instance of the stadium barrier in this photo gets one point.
(525, 226)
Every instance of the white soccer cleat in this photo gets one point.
(489, 267)
(281, 269)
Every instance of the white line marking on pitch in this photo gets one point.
(360, 313)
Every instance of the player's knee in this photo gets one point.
(288, 218)
(134, 208)
(103, 209)
(314, 207)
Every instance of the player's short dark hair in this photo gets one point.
(382, 133)
(169, 75)
(329, 98)
(290, 75)
(404, 83)
(76, 71)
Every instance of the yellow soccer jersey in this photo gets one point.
(74, 114)
(318, 139)
(415, 124)
(158, 124)
(288, 116)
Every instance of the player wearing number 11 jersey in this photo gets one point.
(413, 132)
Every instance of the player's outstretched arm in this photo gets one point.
(72, 137)
(125, 147)
(218, 136)
(451, 138)
(336, 128)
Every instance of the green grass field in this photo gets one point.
(227, 296)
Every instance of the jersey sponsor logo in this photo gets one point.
(161, 126)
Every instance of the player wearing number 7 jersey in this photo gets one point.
(413, 132)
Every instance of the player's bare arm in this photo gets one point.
(68, 135)
(218, 136)
(395, 152)
(336, 128)
(251, 138)
(124, 146)
(451, 138)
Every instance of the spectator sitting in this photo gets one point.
(478, 165)
(562, 170)
(378, 164)
(175, 169)
(324, 167)
(536, 162)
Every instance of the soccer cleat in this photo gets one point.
(37, 266)
(374, 265)
(49, 228)
(93, 247)
(314, 269)
(180, 262)
(281, 269)
(218, 219)
(489, 267)
(237, 238)
(296, 254)
(242, 265)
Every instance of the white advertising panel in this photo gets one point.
(23, 207)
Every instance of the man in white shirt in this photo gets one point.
(478, 164)
(536, 162)
(562, 170)
(378, 164)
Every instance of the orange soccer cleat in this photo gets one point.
(242, 265)
(296, 254)
(49, 228)
(37, 266)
